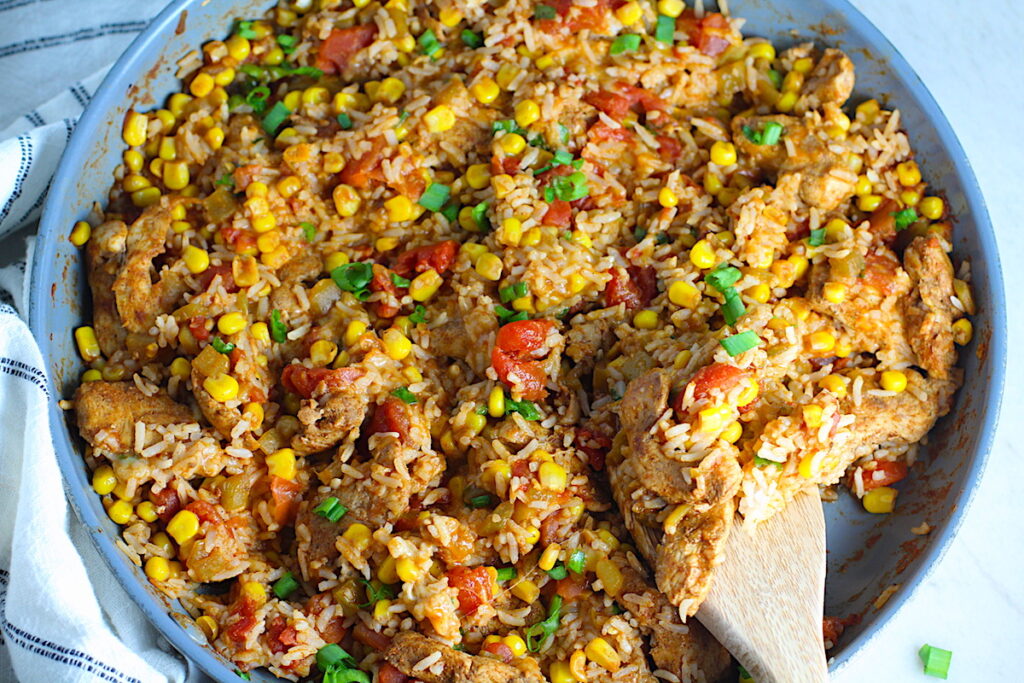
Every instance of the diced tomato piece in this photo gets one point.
(669, 148)
(892, 472)
(635, 287)
(509, 165)
(521, 468)
(409, 185)
(197, 326)
(559, 214)
(721, 376)
(387, 673)
(206, 512)
(832, 628)
(391, 416)
(500, 650)
(341, 45)
(227, 279)
(439, 257)
(474, 586)
(166, 502)
(246, 611)
(361, 172)
(516, 349)
(281, 636)
(595, 445)
(592, 17)
(334, 630)
(571, 587)
(370, 638)
(612, 104)
(382, 282)
(880, 269)
(286, 496)
(602, 132)
(301, 380)
(710, 34)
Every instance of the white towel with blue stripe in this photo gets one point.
(63, 617)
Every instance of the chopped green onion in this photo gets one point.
(558, 572)
(345, 121)
(662, 238)
(577, 561)
(506, 573)
(617, 608)
(538, 634)
(544, 12)
(346, 676)
(481, 501)
(226, 180)
(404, 394)
(243, 675)
(563, 133)
(353, 277)
(905, 218)
(480, 216)
(278, 329)
(561, 157)
(287, 43)
(765, 462)
(817, 237)
(525, 408)
(567, 188)
(771, 131)
(221, 346)
(481, 409)
(428, 43)
(257, 98)
(308, 230)
(723, 276)
(375, 591)
(450, 212)
(505, 126)
(275, 117)
(331, 509)
(628, 42)
(470, 39)
(419, 314)
(733, 308)
(775, 77)
(665, 30)
(333, 656)
(246, 31)
(639, 234)
(400, 281)
(738, 343)
(936, 661)
(285, 586)
(515, 291)
(435, 197)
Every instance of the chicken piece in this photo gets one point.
(319, 550)
(585, 342)
(407, 649)
(459, 338)
(103, 258)
(253, 384)
(451, 338)
(759, 219)
(825, 180)
(139, 298)
(327, 419)
(928, 310)
(301, 268)
(684, 560)
(830, 82)
(108, 411)
(218, 552)
(569, 110)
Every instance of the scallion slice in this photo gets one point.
(738, 343)
(628, 42)
(308, 230)
(905, 218)
(765, 462)
(428, 43)
(435, 197)
(285, 586)
(353, 277)
(333, 656)
(287, 43)
(470, 39)
(418, 315)
(480, 216)
(538, 634)
(221, 346)
(733, 308)
(936, 660)
(525, 408)
(278, 329)
(330, 509)
(245, 30)
(577, 561)
(544, 12)
(405, 395)
(345, 121)
(400, 281)
(506, 573)
(257, 98)
(771, 131)
(277, 115)
(558, 572)
(665, 30)
(817, 237)
(481, 501)
(723, 276)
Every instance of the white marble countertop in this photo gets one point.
(971, 57)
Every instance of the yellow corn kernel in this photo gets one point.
(439, 119)
(515, 643)
(281, 463)
(407, 570)
(812, 415)
(610, 576)
(450, 16)
(103, 480)
(702, 255)
(478, 176)
(383, 244)
(712, 183)
(834, 292)
(221, 387)
(485, 90)
(674, 518)
(682, 359)
(489, 267)
(577, 283)
(163, 541)
(762, 51)
(711, 419)
(531, 237)
(863, 186)
(496, 473)
(507, 73)
(196, 260)
(667, 198)
(842, 349)
(683, 294)
(512, 143)
(881, 500)
(549, 556)
(382, 610)
(355, 330)
(255, 591)
(868, 110)
(245, 270)
(201, 85)
(412, 374)
(136, 126)
(386, 571)
(224, 77)
(893, 380)
(963, 331)
(80, 233)
(176, 175)
(120, 512)
(834, 383)
(135, 182)
(396, 344)
(166, 119)
(760, 293)
(910, 197)
(869, 202)
(821, 342)
(560, 672)
(511, 231)
(91, 375)
(181, 368)
(723, 153)
(399, 209)
(750, 391)
(333, 162)
(786, 103)
(837, 230)
(733, 432)
(544, 62)
(496, 402)
(133, 160)
(260, 332)
(932, 208)
(908, 173)
(343, 101)
(214, 137)
(254, 413)
(645, 320)
(88, 345)
(289, 185)
(671, 8)
(553, 476)
(238, 47)
(358, 535)
(183, 526)
(598, 650)
(425, 285)
(322, 352)
(157, 569)
(180, 226)
(809, 465)
(390, 90)
(630, 13)
(231, 323)
(335, 260)
(207, 624)
(318, 94)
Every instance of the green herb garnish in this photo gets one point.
(353, 277)
(345, 121)
(628, 42)
(221, 346)
(470, 39)
(665, 29)
(434, 197)
(544, 12)
(308, 230)
(277, 115)
(405, 395)
(278, 329)
(738, 343)
(285, 586)
(331, 509)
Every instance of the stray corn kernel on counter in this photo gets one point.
(445, 341)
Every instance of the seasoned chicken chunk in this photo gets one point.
(108, 411)
(103, 258)
(409, 649)
(928, 310)
(830, 82)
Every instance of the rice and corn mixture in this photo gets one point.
(423, 331)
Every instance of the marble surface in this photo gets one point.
(970, 56)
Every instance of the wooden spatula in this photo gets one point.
(767, 597)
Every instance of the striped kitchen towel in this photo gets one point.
(63, 617)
